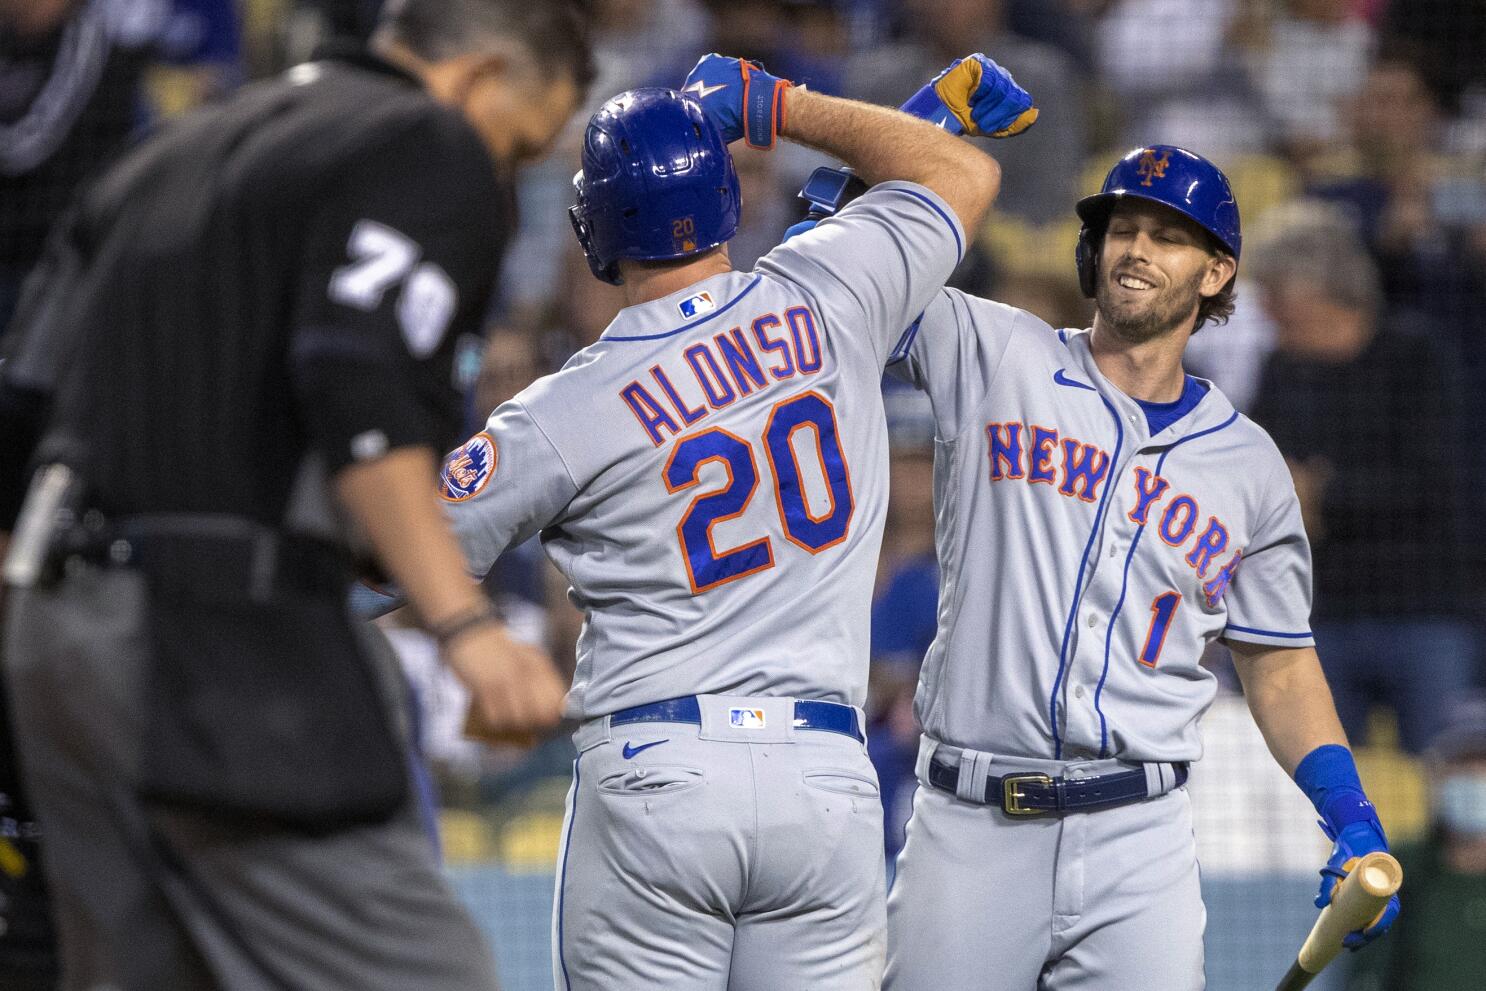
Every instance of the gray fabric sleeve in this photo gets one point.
(878, 262)
(953, 353)
(1269, 594)
(503, 485)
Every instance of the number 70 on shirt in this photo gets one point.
(813, 530)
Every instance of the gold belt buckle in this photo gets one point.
(1012, 795)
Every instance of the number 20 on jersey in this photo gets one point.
(810, 412)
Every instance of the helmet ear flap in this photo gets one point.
(1086, 256)
(607, 271)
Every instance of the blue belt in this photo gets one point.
(830, 717)
(1041, 794)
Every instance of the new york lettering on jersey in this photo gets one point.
(1077, 470)
(1146, 547)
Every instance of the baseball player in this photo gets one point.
(710, 476)
(1102, 517)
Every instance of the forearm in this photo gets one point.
(1290, 701)
(393, 499)
(881, 144)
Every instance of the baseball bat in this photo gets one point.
(1358, 900)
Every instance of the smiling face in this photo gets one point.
(1155, 266)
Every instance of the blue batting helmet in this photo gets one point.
(657, 182)
(1165, 174)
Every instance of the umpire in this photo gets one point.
(234, 372)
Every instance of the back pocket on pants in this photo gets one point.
(652, 779)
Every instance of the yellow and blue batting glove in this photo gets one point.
(739, 98)
(974, 96)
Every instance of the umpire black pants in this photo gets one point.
(148, 900)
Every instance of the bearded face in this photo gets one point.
(1139, 307)
(1155, 266)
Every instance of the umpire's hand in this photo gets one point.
(515, 690)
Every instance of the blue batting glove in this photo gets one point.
(974, 96)
(1362, 835)
(739, 98)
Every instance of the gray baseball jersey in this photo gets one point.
(711, 475)
(1086, 563)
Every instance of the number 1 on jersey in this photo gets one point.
(706, 566)
(1163, 608)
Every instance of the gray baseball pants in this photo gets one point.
(148, 900)
(1086, 901)
(720, 859)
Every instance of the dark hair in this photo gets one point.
(557, 32)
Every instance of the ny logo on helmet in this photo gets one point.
(1151, 167)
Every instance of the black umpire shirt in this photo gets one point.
(276, 279)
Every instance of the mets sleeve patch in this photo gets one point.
(468, 468)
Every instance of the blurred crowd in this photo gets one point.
(1355, 135)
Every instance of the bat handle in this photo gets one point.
(1296, 978)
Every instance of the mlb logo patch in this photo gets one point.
(746, 718)
(468, 468)
(696, 305)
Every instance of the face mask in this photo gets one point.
(1461, 803)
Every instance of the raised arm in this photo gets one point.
(879, 143)
(876, 142)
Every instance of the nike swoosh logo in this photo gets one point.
(630, 749)
(1062, 379)
(702, 90)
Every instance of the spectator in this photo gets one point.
(1421, 212)
(1451, 33)
(1369, 417)
(1173, 59)
(1307, 61)
(1439, 944)
(1040, 169)
(1235, 75)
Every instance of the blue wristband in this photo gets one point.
(1328, 776)
(926, 105)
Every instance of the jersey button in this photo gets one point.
(1113, 550)
(1093, 621)
(1078, 692)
